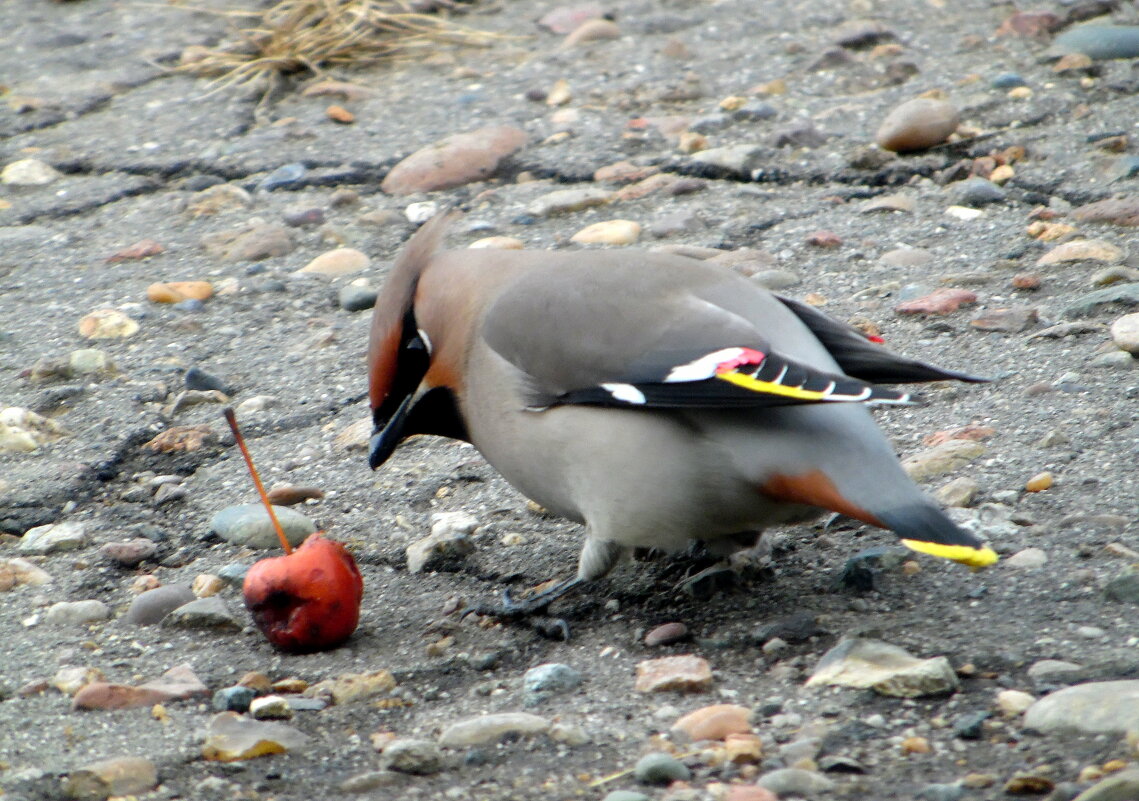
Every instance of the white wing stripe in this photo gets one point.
(625, 392)
(702, 368)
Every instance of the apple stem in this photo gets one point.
(232, 420)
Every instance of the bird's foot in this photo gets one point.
(710, 581)
(529, 610)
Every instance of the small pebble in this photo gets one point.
(493, 728)
(666, 634)
(1125, 333)
(107, 324)
(354, 298)
(941, 792)
(1007, 80)
(284, 175)
(1082, 250)
(564, 201)
(119, 777)
(203, 613)
(660, 768)
(198, 379)
(76, 613)
(543, 681)
(978, 191)
(1039, 482)
(235, 699)
(417, 757)
(917, 125)
(916, 745)
(1099, 42)
(54, 538)
(270, 707)
(304, 215)
(249, 525)
(206, 585)
(179, 291)
(715, 722)
(608, 232)
(152, 606)
(684, 673)
(795, 782)
(231, 737)
(128, 553)
(1014, 702)
(1027, 559)
(29, 172)
(626, 795)
(341, 261)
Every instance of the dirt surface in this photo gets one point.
(90, 93)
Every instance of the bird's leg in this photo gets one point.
(532, 605)
(597, 558)
(529, 610)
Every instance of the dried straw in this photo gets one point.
(298, 36)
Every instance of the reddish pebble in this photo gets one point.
(103, 695)
(749, 792)
(340, 114)
(129, 553)
(824, 239)
(1026, 281)
(916, 745)
(686, 186)
(290, 495)
(940, 301)
(666, 634)
(1009, 321)
(686, 673)
(973, 431)
(1030, 24)
(715, 722)
(139, 250)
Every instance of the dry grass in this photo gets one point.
(309, 36)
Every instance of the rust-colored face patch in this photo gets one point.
(815, 489)
(383, 358)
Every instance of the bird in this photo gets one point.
(657, 399)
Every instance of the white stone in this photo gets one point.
(491, 729)
(29, 172)
(1125, 333)
(69, 613)
(65, 536)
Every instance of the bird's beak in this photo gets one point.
(387, 434)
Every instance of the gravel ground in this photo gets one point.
(138, 148)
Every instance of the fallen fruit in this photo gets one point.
(309, 599)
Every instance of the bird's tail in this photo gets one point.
(924, 528)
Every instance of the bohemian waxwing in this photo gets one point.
(656, 399)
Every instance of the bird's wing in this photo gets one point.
(862, 357)
(602, 339)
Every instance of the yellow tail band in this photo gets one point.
(965, 554)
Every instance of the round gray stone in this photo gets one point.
(357, 298)
(407, 755)
(660, 768)
(153, 605)
(543, 681)
(1097, 707)
(76, 613)
(1099, 41)
(977, 191)
(249, 524)
(795, 782)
